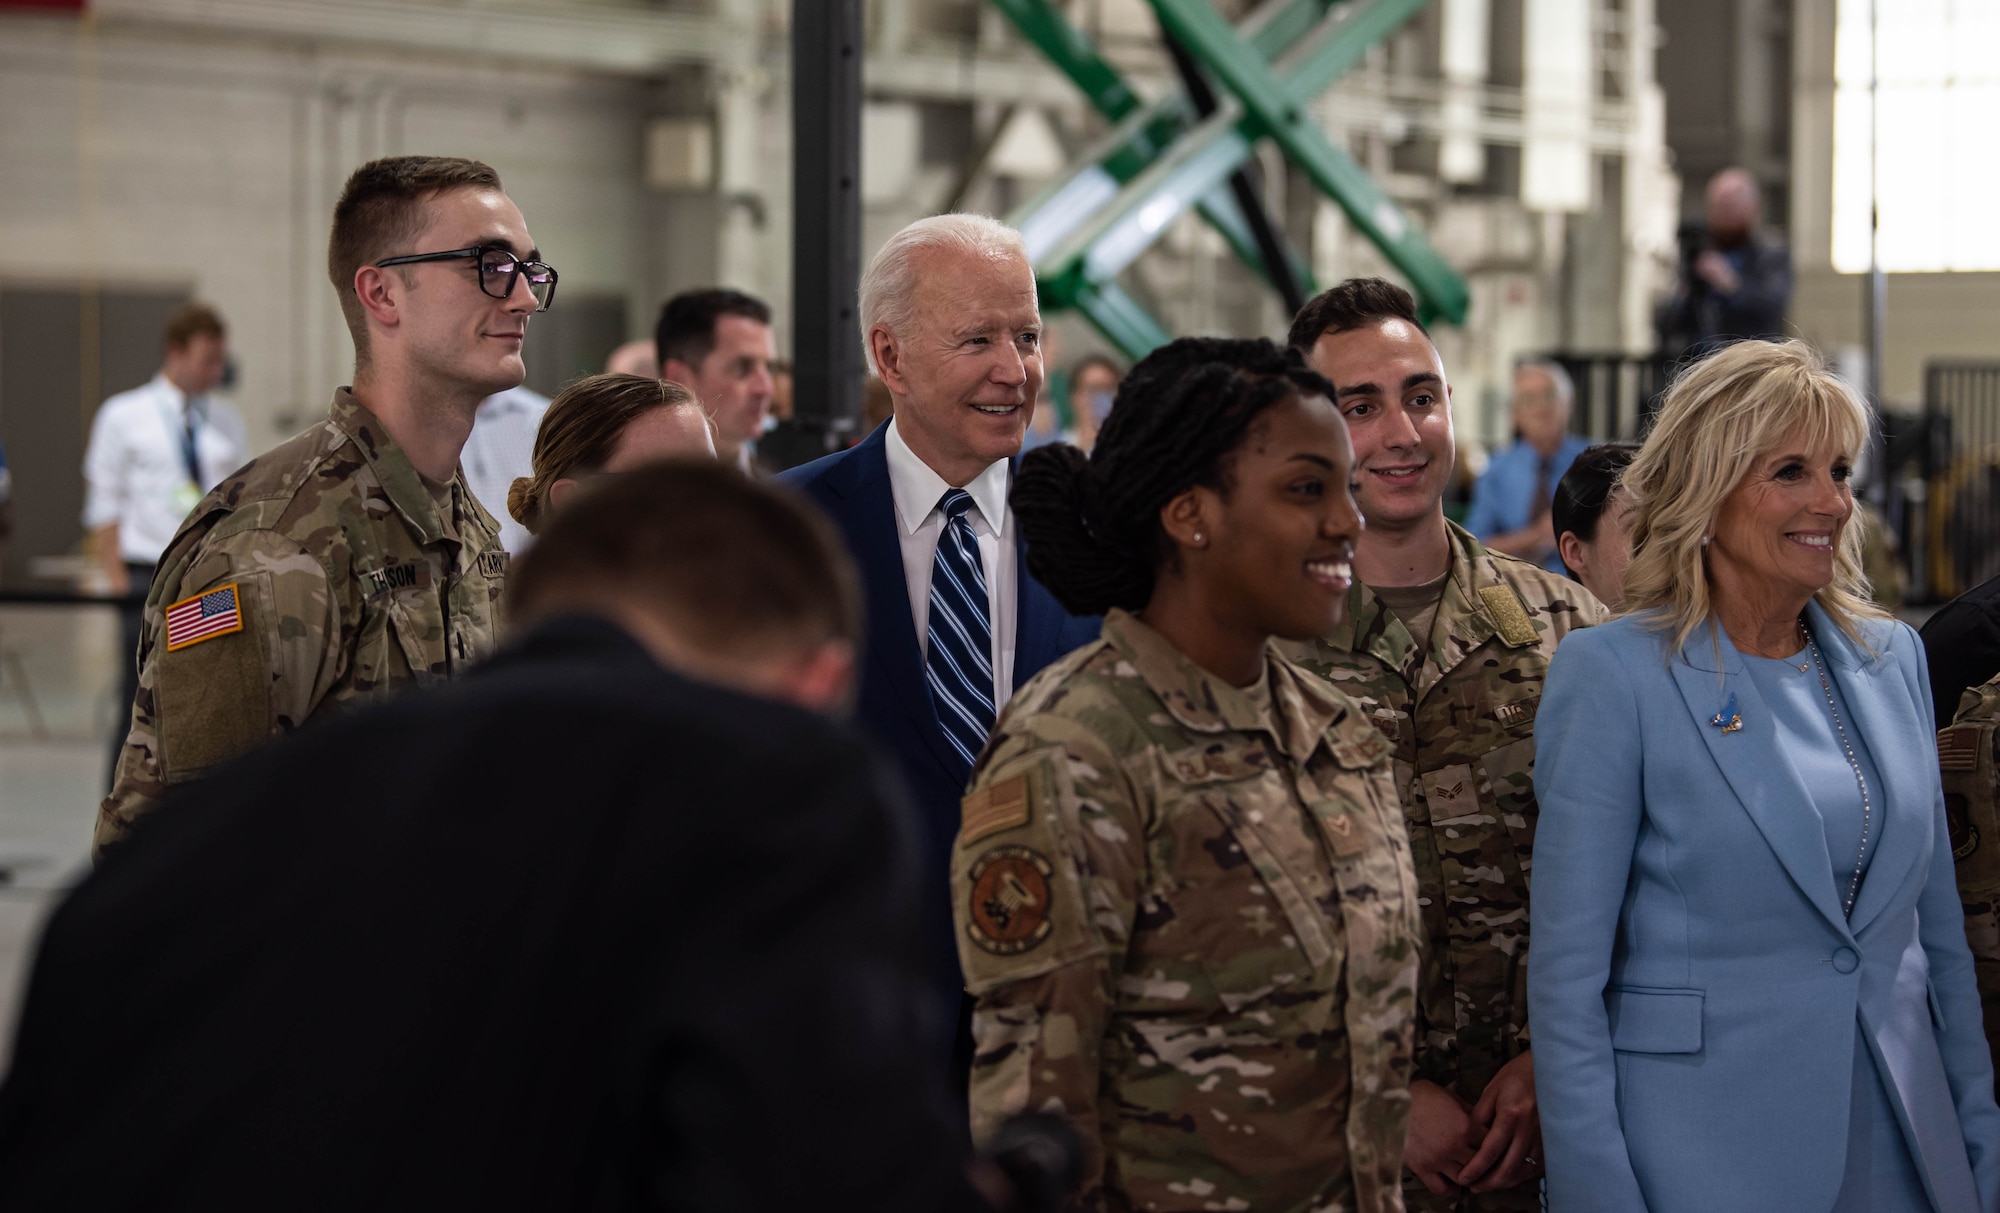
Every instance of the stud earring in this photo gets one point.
(1704, 540)
(1200, 540)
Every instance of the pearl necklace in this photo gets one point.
(1854, 764)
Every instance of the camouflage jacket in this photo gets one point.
(1462, 722)
(1969, 752)
(348, 581)
(1187, 913)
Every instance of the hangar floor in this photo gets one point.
(57, 704)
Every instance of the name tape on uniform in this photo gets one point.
(209, 614)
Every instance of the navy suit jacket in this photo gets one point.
(852, 486)
(1696, 987)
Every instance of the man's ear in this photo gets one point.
(820, 679)
(381, 294)
(888, 351)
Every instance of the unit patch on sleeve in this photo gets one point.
(1009, 900)
(218, 612)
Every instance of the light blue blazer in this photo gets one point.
(1694, 985)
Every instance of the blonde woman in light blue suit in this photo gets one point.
(1750, 987)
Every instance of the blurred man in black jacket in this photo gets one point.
(578, 932)
(1735, 282)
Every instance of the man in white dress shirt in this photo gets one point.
(154, 451)
(502, 448)
(955, 621)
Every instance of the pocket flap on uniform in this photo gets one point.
(1655, 1021)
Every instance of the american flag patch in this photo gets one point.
(204, 617)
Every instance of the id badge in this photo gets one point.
(186, 497)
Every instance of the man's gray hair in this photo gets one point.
(1558, 377)
(889, 285)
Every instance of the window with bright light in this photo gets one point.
(1936, 171)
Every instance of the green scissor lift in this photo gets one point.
(1242, 84)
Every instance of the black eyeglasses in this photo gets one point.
(499, 269)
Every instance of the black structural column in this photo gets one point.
(826, 217)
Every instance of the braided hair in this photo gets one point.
(1092, 522)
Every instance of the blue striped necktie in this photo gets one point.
(959, 666)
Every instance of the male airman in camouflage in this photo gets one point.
(1187, 914)
(1445, 645)
(352, 560)
(1969, 752)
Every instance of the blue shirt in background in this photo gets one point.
(1503, 499)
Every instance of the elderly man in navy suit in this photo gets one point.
(955, 622)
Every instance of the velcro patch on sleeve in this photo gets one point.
(207, 615)
(991, 809)
(1504, 605)
(1958, 748)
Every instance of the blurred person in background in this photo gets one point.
(351, 561)
(783, 383)
(1445, 645)
(1592, 518)
(602, 426)
(500, 451)
(640, 357)
(1511, 500)
(1735, 283)
(1213, 971)
(955, 619)
(1750, 982)
(622, 921)
(1093, 383)
(153, 452)
(717, 344)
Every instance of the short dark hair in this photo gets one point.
(1355, 303)
(1092, 522)
(380, 211)
(1084, 363)
(737, 567)
(686, 332)
(190, 320)
(1585, 489)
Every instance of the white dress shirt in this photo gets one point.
(502, 448)
(919, 523)
(135, 469)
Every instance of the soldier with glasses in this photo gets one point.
(352, 560)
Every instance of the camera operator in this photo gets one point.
(1735, 283)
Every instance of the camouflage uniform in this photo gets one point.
(353, 579)
(1969, 752)
(1188, 916)
(1462, 722)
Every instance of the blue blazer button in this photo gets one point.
(1845, 961)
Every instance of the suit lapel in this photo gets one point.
(1038, 619)
(1764, 780)
(892, 635)
(1903, 805)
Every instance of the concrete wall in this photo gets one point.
(214, 162)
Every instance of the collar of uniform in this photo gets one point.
(399, 478)
(1463, 622)
(1194, 697)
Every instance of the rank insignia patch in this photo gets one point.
(204, 617)
(1009, 910)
